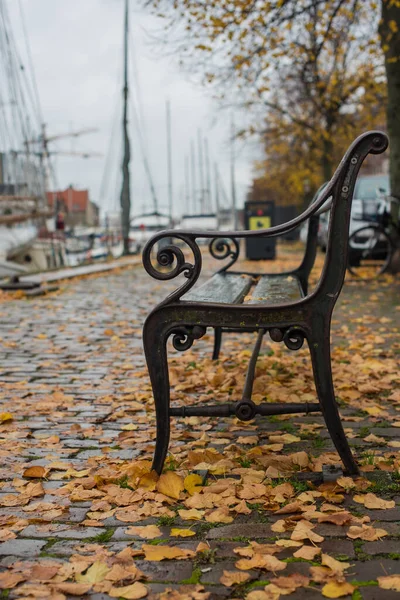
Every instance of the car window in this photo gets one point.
(371, 188)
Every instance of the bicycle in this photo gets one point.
(371, 247)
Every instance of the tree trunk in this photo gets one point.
(327, 164)
(389, 31)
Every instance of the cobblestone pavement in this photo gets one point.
(72, 374)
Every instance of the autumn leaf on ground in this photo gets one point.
(176, 532)
(339, 518)
(289, 584)
(193, 483)
(303, 531)
(35, 472)
(335, 565)
(221, 515)
(73, 589)
(346, 483)
(261, 561)
(95, 574)
(270, 592)
(366, 532)
(157, 553)
(307, 552)
(170, 484)
(130, 592)
(390, 582)
(230, 578)
(5, 417)
(191, 515)
(10, 580)
(146, 532)
(337, 589)
(371, 501)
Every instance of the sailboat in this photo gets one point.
(24, 212)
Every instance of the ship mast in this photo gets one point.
(125, 190)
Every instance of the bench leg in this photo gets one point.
(217, 342)
(321, 360)
(155, 348)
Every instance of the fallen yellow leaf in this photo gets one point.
(371, 501)
(5, 416)
(337, 589)
(193, 483)
(389, 582)
(73, 589)
(365, 532)
(146, 532)
(230, 578)
(95, 574)
(335, 565)
(261, 561)
(221, 515)
(35, 472)
(307, 552)
(157, 553)
(176, 532)
(170, 484)
(131, 592)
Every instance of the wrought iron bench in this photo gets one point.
(280, 304)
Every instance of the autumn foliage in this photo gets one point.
(312, 73)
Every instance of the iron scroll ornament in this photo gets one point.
(221, 248)
(172, 258)
(184, 336)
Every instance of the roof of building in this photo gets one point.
(74, 200)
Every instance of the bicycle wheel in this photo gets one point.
(370, 252)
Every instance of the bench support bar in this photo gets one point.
(245, 410)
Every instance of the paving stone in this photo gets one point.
(22, 548)
(216, 592)
(338, 547)
(62, 531)
(371, 569)
(215, 571)
(167, 571)
(251, 531)
(383, 547)
(225, 549)
(377, 593)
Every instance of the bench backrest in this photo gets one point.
(341, 189)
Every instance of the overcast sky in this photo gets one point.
(77, 53)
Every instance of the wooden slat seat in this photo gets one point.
(235, 288)
(276, 289)
(227, 288)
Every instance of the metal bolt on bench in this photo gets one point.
(280, 304)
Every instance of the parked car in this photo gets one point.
(369, 199)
